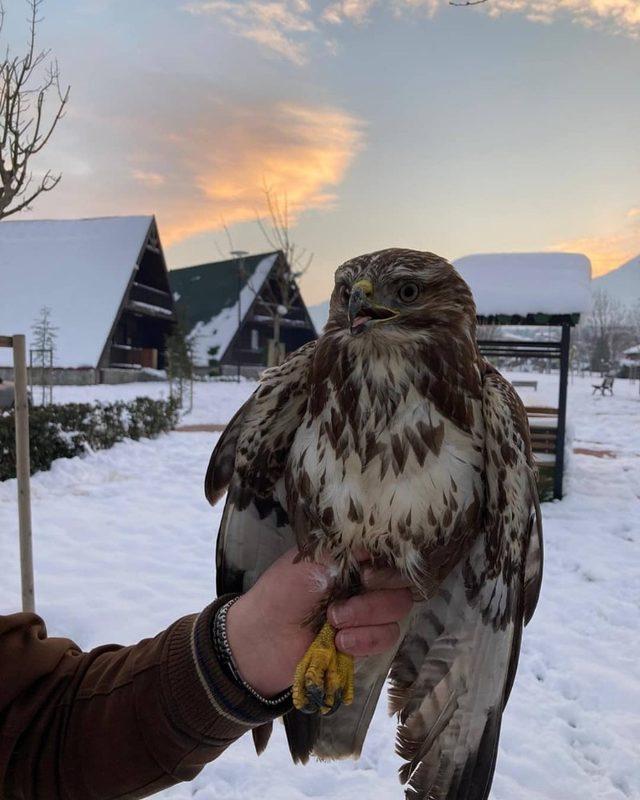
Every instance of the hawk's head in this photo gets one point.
(399, 291)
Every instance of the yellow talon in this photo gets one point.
(324, 678)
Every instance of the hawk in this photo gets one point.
(391, 434)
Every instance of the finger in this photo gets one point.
(373, 608)
(368, 640)
(386, 578)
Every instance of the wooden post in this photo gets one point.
(23, 470)
(565, 344)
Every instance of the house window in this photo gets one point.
(254, 339)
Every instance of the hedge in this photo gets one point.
(64, 431)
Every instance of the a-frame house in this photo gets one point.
(105, 282)
(229, 307)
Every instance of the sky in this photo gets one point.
(510, 125)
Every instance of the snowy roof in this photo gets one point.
(208, 293)
(632, 351)
(79, 268)
(528, 283)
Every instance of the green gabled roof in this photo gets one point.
(205, 290)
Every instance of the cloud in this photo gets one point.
(301, 150)
(356, 11)
(197, 156)
(149, 178)
(270, 24)
(614, 16)
(610, 249)
(286, 27)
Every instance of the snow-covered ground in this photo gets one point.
(129, 528)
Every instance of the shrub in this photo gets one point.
(64, 431)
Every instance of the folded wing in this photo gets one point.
(452, 676)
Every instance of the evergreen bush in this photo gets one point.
(64, 431)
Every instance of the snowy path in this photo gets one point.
(129, 528)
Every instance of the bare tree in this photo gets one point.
(26, 84)
(283, 289)
(608, 330)
(42, 353)
(634, 321)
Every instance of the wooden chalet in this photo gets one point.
(228, 307)
(105, 281)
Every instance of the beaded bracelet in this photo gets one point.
(225, 656)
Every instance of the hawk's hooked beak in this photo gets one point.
(362, 312)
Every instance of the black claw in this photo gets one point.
(309, 709)
(316, 695)
(337, 702)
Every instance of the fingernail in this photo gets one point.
(346, 641)
(340, 614)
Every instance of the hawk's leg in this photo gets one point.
(324, 678)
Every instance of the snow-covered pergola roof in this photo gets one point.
(79, 268)
(528, 284)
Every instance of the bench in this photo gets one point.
(526, 384)
(605, 386)
(543, 425)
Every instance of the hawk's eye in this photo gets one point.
(345, 294)
(408, 292)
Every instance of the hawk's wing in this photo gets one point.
(249, 461)
(454, 671)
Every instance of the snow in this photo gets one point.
(129, 528)
(167, 312)
(220, 330)
(80, 268)
(528, 283)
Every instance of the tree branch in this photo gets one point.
(25, 127)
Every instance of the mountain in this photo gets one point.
(319, 314)
(623, 283)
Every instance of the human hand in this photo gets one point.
(265, 626)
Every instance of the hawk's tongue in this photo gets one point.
(359, 321)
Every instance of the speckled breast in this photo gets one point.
(390, 473)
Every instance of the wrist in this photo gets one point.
(259, 653)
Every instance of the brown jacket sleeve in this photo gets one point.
(117, 722)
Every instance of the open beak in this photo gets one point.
(362, 312)
(357, 310)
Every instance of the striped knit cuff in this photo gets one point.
(200, 692)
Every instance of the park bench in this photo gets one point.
(526, 384)
(543, 425)
(605, 386)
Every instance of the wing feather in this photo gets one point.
(249, 460)
(453, 673)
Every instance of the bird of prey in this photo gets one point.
(392, 434)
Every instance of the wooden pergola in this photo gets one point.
(534, 289)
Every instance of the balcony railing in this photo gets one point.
(150, 296)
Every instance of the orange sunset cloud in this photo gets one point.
(302, 151)
(200, 158)
(608, 250)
